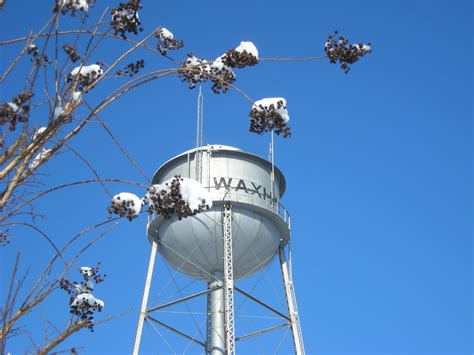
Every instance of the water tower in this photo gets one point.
(242, 233)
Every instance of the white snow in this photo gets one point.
(93, 70)
(77, 96)
(76, 4)
(219, 66)
(193, 193)
(248, 47)
(84, 287)
(86, 271)
(13, 106)
(43, 154)
(366, 48)
(37, 132)
(58, 111)
(266, 102)
(133, 202)
(86, 300)
(165, 33)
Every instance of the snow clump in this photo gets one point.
(72, 5)
(39, 158)
(126, 204)
(181, 196)
(222, 75)
(270, 114)
(82, 302)
(85, 75)
(37, 132)
(246, 54)
(125, 18)
(166, 41)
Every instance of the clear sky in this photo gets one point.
(378, 169)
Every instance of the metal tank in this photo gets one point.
(253, 186)
(242, 232)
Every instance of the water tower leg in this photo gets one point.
(291, 302)
(228, 281)
(146, 292)
(215, 325)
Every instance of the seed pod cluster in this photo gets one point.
(82, 303)
(71, 52)
(338, 50)
(166, 41)
(195, 71)
(236, 59)
(167, 200)
(125, 18)
(16, 110)
(131, 69)
(85, 75)
(264, 118)
(126, 205)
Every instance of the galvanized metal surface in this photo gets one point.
(194, 246)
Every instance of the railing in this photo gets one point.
(272, 205)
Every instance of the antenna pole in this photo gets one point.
(199, 129)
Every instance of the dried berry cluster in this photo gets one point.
(71, 52)
(221, 76)
(16, 110)
(36, 57)
(64, 6)
(125, 18)
(167, 42)
(132, 68)
(196, 71)
(82, 302)
(339, 50)
(237, 59)
(264, 119)
(86, 75)
(125, 207)
(168, 200)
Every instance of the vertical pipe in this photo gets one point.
(216, 324)
(146, 292)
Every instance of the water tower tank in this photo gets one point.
(194, 245)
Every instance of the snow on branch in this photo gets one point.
(125, 18)
(16, 110)
(181, 196)
(270, 114)
(125, 204)
(166, 41)
(246, 54)
(85, 75)
(82, 303)
(74, 6)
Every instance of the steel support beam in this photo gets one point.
(291, 302)
(176, 331)
(146, 292)
(228, 281)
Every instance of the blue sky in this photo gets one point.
(379, 168)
